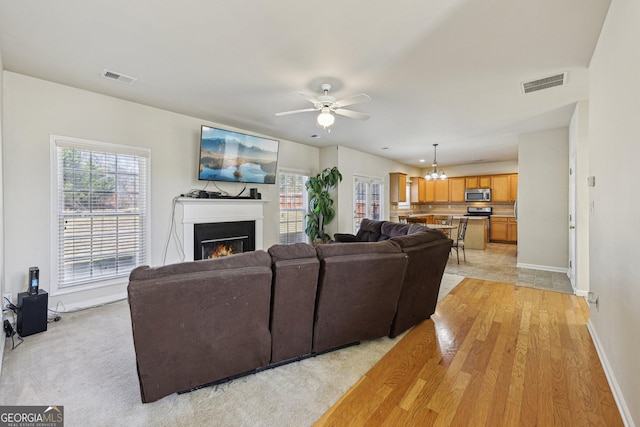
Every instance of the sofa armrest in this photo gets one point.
(344, 237)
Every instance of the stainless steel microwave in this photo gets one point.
(477, 195)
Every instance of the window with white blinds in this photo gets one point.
(294, 201)
(101, 212)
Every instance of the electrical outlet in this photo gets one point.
(4, 301)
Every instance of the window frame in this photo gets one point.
(305, 196)
(369, 180)
(58, 141)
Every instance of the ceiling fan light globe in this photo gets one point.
(325, 118)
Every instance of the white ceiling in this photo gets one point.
(446, 72)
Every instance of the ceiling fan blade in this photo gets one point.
(351, 114)
(309, 98)
(286, 113)
(355, 99)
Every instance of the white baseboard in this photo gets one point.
(544, 268)
(581, 293)
(95, 302)
(615, 389)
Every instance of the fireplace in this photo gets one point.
(216, 219)
(213, 240)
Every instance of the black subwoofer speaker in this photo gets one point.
(32, 313)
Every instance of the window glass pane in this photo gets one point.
(368, 200)
(101, 215)
(293, 207)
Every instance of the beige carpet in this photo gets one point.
(86, 363)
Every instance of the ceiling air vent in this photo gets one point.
(544, 83)
(112, 75)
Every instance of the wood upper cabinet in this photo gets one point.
(456, 189)
(484, 182)
(513, 187)
(473, 182)
(442, 190)
(500, 188)
(437, 190)
(430, 191)
(397, 187)
(418, 190)
(504, 188)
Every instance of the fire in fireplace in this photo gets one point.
(216, 248)
(213, 240)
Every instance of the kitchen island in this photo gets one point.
(477, 228)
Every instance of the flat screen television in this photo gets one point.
(236, 157)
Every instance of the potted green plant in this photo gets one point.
(321, 211)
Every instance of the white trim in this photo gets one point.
(581, 293)
(92, 303)
(369, 177)
(544, 268)
(201, 211)
(304, 172)
(613, 383)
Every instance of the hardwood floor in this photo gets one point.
(492, 355)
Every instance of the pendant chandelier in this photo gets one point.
(435, 174)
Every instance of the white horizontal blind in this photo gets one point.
(101, 212)
(294, 201)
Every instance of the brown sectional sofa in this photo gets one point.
(205, 322)
(427, 250)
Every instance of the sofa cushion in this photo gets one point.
(295, 251)
(419, 237)
(393, 229)
(195, 324)
(246, 259)
(369, 231)
(358, 248)
(293, 299)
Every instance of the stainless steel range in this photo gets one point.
(482, 211)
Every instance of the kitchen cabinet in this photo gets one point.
(397, 187)
(418, 190)
(500, 188)
(442, 190)
(513, 187)
(476, 237)
(504, 188)
(430, 191)
(504, 229)
(456, 189)
(473, 182)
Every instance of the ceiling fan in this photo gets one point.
(327, 105)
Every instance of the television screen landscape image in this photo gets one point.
(237, 157)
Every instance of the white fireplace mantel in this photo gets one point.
(191, 211)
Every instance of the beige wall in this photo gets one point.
(34, 109)
(614, 154)
(543, 194)
(488, 168)
(351, 163)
